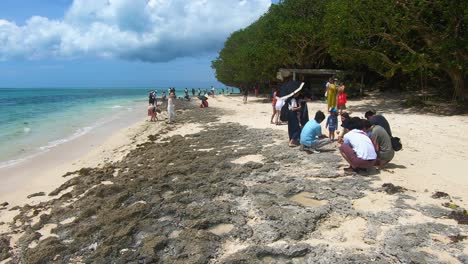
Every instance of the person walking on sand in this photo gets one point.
(332, 124)
(171, 114)
(312, 138)
(212, 91)
(273, 102)
(357, 148)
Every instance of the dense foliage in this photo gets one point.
(423, 40)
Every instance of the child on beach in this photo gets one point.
(332, 123)
(275, 98)
(341, 98)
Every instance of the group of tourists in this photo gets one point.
(153, 108)
(363, 143)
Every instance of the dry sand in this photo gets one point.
(434, 151)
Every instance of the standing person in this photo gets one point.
(273, 102)
(341, 98)
(151, 97)
(212, 91)
(186, 94)
(294, 127)
(332, 123)
(246, 93)
(163, 96)
(357, 148)
(223, 90)
(256, 90)
(312, 138)
(199, 91)
(327, 87)
(378, 120)
(331, 96)
(171, 108)
(279, 104)
(193, 91)
(152, 112)
(304, 112)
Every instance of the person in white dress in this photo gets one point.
(171, 114)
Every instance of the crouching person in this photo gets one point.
(382, 141)
(312, 138)
(357, 148)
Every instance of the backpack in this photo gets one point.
(342, 99)
(284, 111)
(396, 143)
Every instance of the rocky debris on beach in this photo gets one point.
(197, 199)
(4, 247)
(36, 195)
(389, 188)
(438, 195)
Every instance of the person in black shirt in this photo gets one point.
(378, 120)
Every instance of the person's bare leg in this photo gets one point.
(345, 157)
(273, 115)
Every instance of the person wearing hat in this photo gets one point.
(332, 123)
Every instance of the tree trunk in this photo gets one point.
(458, 82)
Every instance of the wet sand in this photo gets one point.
(222, 186)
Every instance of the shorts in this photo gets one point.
(279, 104)
(341, 107)
(353, 159)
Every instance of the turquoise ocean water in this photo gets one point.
(36, 120)
(33, 121)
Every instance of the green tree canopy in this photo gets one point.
(386, 36)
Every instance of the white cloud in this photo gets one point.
(147, 30)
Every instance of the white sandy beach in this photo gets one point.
(432, 158)
(434, 147)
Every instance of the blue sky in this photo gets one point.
(117, 43)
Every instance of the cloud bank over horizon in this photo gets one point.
(143, 30)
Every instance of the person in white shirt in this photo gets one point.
(357, 148)
(171, 114)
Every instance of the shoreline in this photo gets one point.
(221, 184)
(42, 172)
